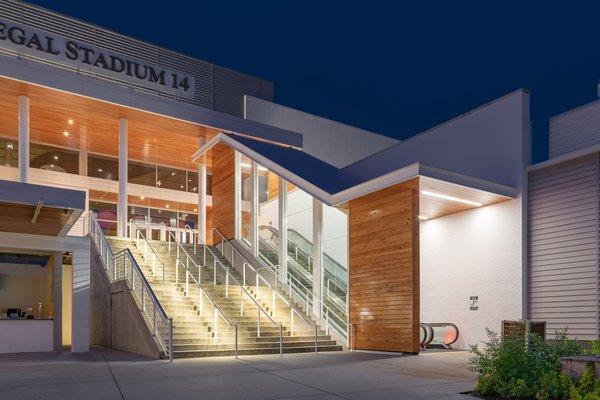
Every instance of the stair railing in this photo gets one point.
(259, 279)
(330, 317)
(228, 278)
(141, 242)
(123, 266)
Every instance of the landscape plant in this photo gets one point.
(524, 366)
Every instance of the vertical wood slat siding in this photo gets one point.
(216, 87)
(384, 269)
(576, 129)
(563, 246)
(223, 190)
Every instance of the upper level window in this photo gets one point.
(53, 158)
(103, 167)
(9, 152)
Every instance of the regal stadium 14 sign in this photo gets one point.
(57, 48)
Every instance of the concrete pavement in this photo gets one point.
(107, 374)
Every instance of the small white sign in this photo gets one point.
(474, 303)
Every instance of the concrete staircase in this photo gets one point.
(195, 333)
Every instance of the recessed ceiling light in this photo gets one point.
(195, 210)
(66, 133)
(167, 206)
(142, 197)
(180, 186)
(56, 157)
(51, 166)
(159, 211)
(173, 173)
(100, 170)
(450, 198)
(70, 121)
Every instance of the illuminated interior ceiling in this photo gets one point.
(438, 198)
(38, 209)
(80, 123)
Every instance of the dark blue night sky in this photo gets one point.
(395, 69)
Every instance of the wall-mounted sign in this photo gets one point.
(57, 48)
(474, 303)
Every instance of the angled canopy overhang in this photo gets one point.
(38, 209)
(335, 186)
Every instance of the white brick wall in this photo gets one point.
(473, 253)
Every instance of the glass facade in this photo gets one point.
(103, 167)
(9, 152)
(329, 301)
(268, 216)
(245, 185)
(53, 158)
(106, 213)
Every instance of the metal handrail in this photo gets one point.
(116, 268)
(275, 292)
(332, 278)
(138, 233)
(309, 295)
(228, 277)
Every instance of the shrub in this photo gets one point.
(522, 366)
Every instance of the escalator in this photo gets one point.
(299, 270)
(300, 257)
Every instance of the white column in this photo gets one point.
(254, 210)
(80, 304)
(23, 138)
(237, 201)
(317, 256)
(201, 197)
(122, 204)
(57, 312)
(202, 203)
(282, 217)
(83, 162)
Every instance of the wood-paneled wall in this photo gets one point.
(223, 190)
(384, 269)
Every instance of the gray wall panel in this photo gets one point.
(215, 87)
(575, 129)
(563, 246)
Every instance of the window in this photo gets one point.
(103, 167)
(9, 152)
(171, 178)
(106, 214)
(53, 158)
(245, 185)
(141, 174)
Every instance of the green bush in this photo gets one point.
(520, 367)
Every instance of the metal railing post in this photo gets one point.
(216, 328)
(258, 314)
(227, 283)
(316, 340)
(236, 342)
(280, 340)
(171, 339)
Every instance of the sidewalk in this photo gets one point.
(106, 374)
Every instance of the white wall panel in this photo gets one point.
(473, 253)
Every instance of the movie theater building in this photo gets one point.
(159, 204)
